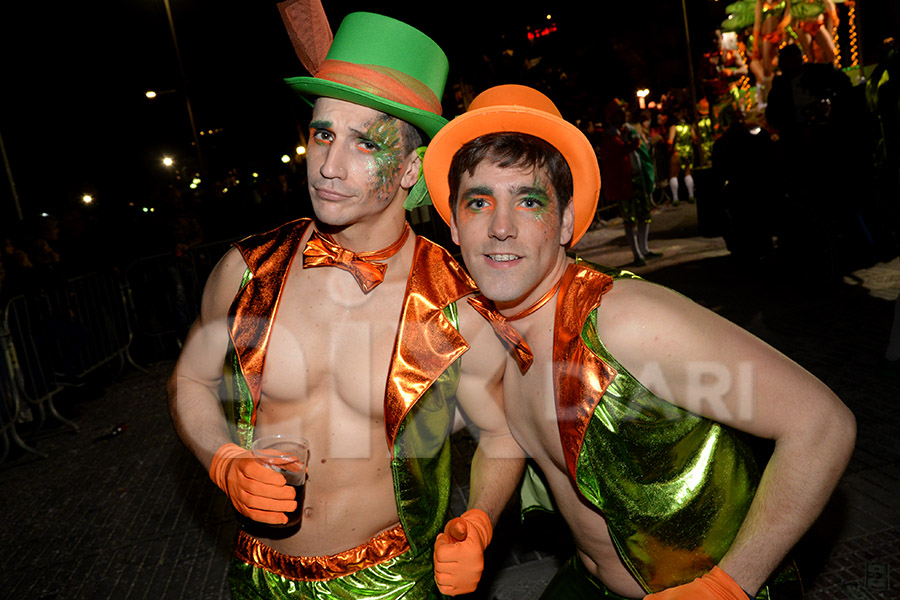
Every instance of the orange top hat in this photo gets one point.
(516, 109)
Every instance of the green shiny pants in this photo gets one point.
(406, 577)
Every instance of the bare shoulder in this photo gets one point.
(688, 354)
(636, 307)
(223, 283)
(641, 321)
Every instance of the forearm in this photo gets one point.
(497, 467)
(197, 416)
(796, 484)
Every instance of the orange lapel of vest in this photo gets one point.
(269, 257)
(427, 342)
(580, 378)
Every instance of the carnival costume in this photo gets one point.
(706, 131)
(405, 79)
(683, 144)
(637, 208)
(721, 86)
(419, 408)
(672, 486)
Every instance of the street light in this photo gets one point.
(642, 95)
(167, 161)
(151, 94)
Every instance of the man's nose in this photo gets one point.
(503, 224)
(335, 165)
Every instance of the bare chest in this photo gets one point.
(529, 399)
(332, 343)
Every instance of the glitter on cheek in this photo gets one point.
(388, 159)
(546, 214)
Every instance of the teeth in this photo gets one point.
(503, 257)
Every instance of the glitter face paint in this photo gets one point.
(387, 154)
(355, 163)
(507, 224)
(534, 201)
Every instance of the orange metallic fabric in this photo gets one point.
(381, 548)
(254, 308)
(427, 342)
(579, 376)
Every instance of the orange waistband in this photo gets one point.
(383, 547)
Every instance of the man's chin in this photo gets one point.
(331, 216)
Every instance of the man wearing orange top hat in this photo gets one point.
(347, 330)
(629, 398)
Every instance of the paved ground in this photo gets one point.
(135, 517)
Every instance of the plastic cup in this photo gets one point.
(288, 455)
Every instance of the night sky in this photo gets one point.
(73, 116)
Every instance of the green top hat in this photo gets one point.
(383, 64)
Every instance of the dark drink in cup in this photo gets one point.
(294, 517)
(289, 456)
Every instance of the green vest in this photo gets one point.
(673, 486)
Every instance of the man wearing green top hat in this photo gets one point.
(364, 359)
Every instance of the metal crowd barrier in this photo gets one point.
(10, 401)
(56, 338)
(163, 292)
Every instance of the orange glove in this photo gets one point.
(715, 585)
(459, 552)
(255, 490)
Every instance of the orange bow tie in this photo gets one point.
(508, 334)
(322, 251)
(511, 338)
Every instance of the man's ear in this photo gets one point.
(454, 230)
(411, 174)
(567, 227)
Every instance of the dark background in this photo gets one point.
(74, 119)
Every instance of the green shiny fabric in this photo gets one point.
(237, 401)
(407, 577)
(707, 139)
(421, 462)
(684, 144)
(674, 487)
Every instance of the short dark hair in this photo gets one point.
(413, 137)
(509, 149)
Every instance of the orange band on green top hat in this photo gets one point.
(384, 64)
(516, 109)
